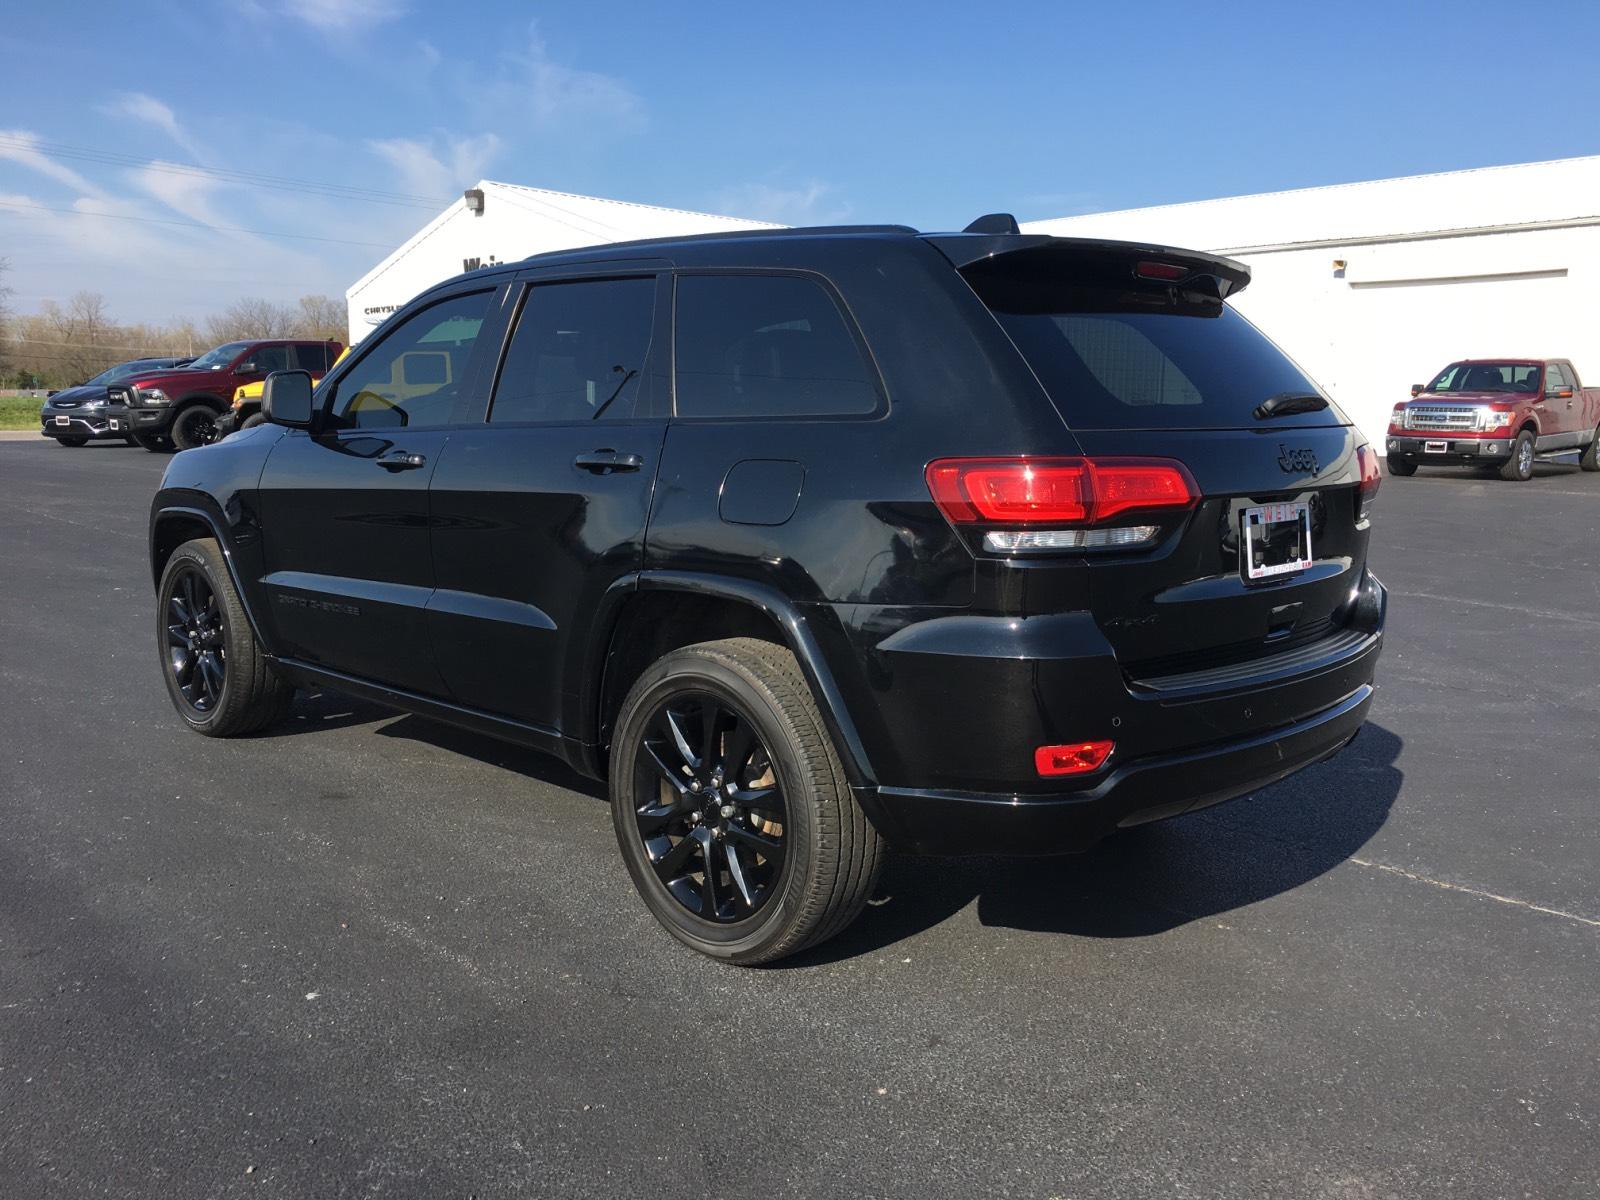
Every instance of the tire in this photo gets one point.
(194, 426)
(74, 442)
(1403, 467)
(218, 679)
(1589, 460)
(154, 442)
(806, 857)
(131, 440)
(253, 420)
(1519, 467)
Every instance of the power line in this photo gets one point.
(223, 174)
(305, 237)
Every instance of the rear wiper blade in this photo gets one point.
(1286, 404)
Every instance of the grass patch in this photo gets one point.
(19, 412)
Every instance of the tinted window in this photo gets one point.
(311, 357)
(1556, 376)
(1199, 368)
(269, 358)
(578, 352)
(412, 376)
(766, 346)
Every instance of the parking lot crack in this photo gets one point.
(1445, 885)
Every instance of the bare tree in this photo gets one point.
(252, 318)
(322, 317)
(5, 319)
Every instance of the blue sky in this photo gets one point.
(927, 114)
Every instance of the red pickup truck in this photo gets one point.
(1503, 412)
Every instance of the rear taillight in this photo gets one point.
(1043, 504)
(1161, 270)
(1371, 479)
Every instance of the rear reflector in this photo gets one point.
(1056, 491)
(1080, 758)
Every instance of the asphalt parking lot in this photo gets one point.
(367, 955)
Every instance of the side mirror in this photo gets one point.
(247, 368)
(1416, 388)
(286, 399)
(1560, 393)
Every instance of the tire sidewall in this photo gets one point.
(686, 672)
(183, 558)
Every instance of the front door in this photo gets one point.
(540, 507)
(344, 512)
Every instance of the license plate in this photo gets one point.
(1435, 447)
(63, 420)
(1276, 540)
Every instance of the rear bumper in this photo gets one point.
(1456, 449)
(1151, 789)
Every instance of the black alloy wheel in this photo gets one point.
(709, 808)
(194, 426)
(197, 635)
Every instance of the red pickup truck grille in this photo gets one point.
(1441, 418)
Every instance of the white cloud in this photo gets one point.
(20, 146)
(182, 192)
(551, 96)
(424, 173)
(151, 111)
(342, 16)
(813, 203)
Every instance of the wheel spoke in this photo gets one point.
(768, 847)
(211, 670)
(177, 636)
(737, 872)
(710, 893)
(653, 817)
(763, 800)
(736, 750)
(674, 777)
(710, 712)
(669, 865)
(179, 609)
(682, 742)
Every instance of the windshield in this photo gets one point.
(121, 371)
(1512, 377)
(215, 360)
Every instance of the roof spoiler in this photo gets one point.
(980, 248)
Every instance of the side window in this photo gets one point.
(1555, 376)
(765, 346)
(311, 356)
(578, 351)
(269, 358)
(412, 376)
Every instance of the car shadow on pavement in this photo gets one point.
(508, 756)
(1152, 878)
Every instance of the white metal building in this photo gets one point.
(504, 222)
(1372, 287)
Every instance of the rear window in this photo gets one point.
(1148, 367)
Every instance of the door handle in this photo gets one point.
(603, 461)
(401, 460)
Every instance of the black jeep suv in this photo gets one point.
(809, 541)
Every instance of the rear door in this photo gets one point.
(344, 512)
(1162, 368)
(539, 507)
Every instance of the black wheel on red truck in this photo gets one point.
(194, 426)
(73, 441)
(153, 442)
(1519, 466)
(1589, 460)
(1396, 465)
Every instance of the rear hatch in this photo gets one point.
(1142, 357)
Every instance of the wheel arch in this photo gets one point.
(172, 524)
(660, 611)
(193, 398)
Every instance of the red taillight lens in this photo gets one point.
(1371, 480)
(1056, 491)
(1160, 270)
(1077, 759)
